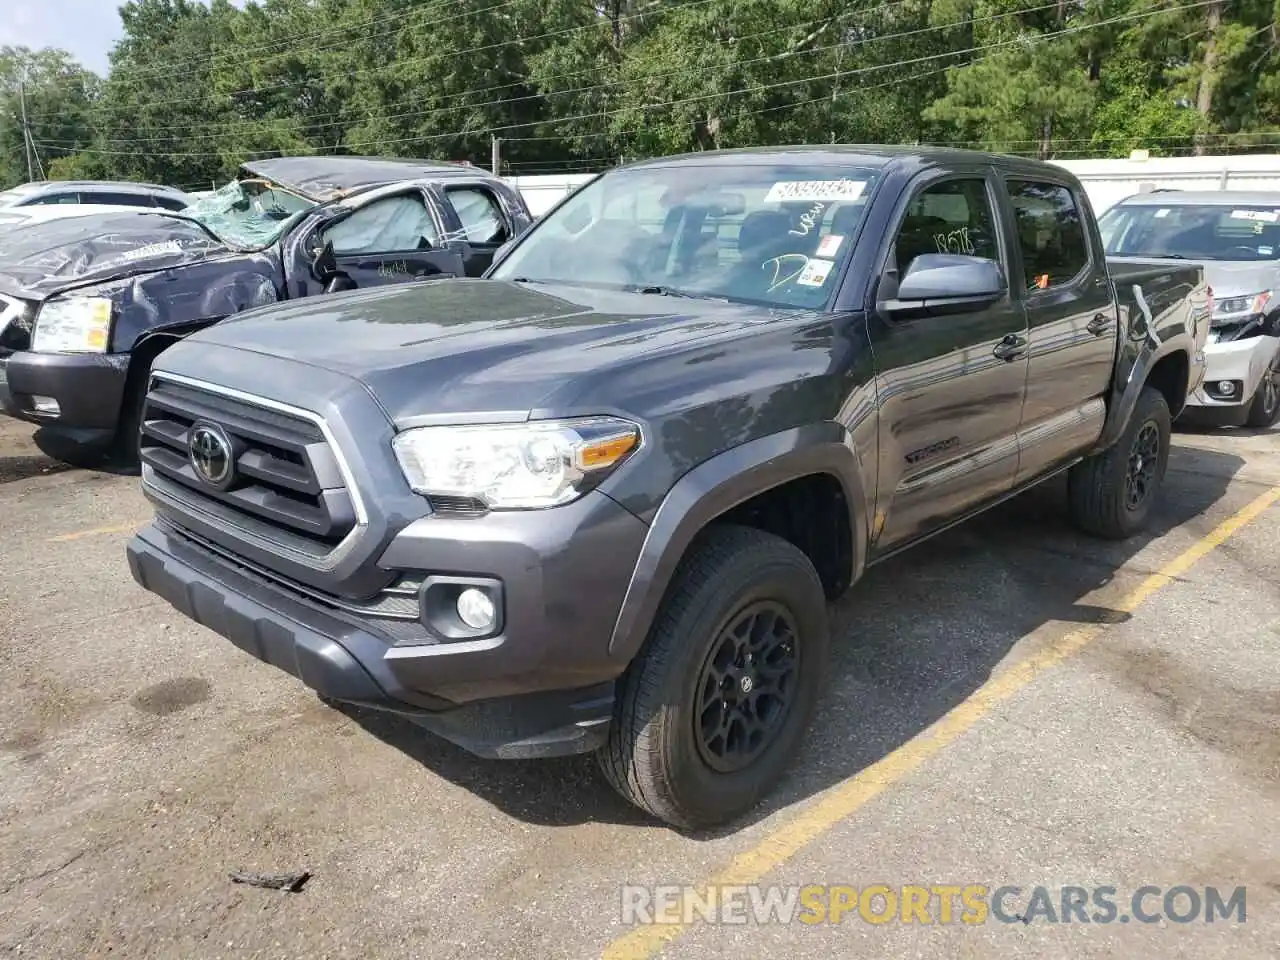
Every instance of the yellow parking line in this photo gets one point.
(848, 797)
(97, 532)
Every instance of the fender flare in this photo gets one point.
(1125, 396)
(716, 486)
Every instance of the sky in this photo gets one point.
(85, 28)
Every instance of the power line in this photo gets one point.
(860, 41)
(760, 88)
(451, 55)
(1026, 41)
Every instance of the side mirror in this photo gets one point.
(943, 282)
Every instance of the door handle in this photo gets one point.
(1099, 325)
(1011, 347)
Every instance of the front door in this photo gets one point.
(949, 385)
(1072, 325)
(481, 225)
(384, 237)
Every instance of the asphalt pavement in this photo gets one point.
(1013, 706)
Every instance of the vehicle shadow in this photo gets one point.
(916, 637)
(1210, 430)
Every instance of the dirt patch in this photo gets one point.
(170, 696)
(1242, 722)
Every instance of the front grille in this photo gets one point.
(457, 506)
(392, 612)
(286, 483)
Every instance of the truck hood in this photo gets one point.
(42, 259)
(436, 349)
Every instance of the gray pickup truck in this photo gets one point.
(599, 499)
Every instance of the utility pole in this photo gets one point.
(496, 158)
(26, 129)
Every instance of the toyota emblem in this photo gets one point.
(209, 451)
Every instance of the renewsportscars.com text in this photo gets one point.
(930, 904)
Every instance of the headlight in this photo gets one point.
(73, 325)
(1246, 306)
(516, 466)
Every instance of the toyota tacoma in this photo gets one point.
(599, 499)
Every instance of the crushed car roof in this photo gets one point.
(325, 178)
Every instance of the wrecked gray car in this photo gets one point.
(88, 303)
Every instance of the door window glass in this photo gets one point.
(391, 225)
(119, 199)
(57, 198)
(950, 217)
(1050, 233)
(482, 219)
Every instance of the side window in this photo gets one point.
(400, 224)
(168, 203)
(482, 219)
(950, 217)
(119, 199)
(1050, 233)
(57, 198)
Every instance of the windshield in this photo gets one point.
(247, 213)
(769, 234)
(1210, 231)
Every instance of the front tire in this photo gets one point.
(1111, 493)
(717, 702)
(1264, 410)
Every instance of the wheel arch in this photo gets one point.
(1168, 371)
(729, 487)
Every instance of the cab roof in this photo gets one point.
(850, 154)
(326, 178)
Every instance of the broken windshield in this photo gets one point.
(248, 213)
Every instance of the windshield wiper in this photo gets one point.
(658, 289)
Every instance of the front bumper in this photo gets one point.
(542, 687)
(1241, 362)
(88, 390)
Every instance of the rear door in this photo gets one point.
(1071, 318)
(949, 385)
(392, 235)
(478, 223)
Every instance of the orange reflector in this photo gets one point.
(605, 453)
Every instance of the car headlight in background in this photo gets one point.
(515, 466)
(1246, 306)
(73, 325)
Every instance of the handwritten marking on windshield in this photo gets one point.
(777, 269)
(808, 219)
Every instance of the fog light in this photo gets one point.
(1226, 388)
(475, 609)
(45, 405)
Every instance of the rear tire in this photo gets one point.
(1111, 493)
(716, 704)
(1264, 410)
